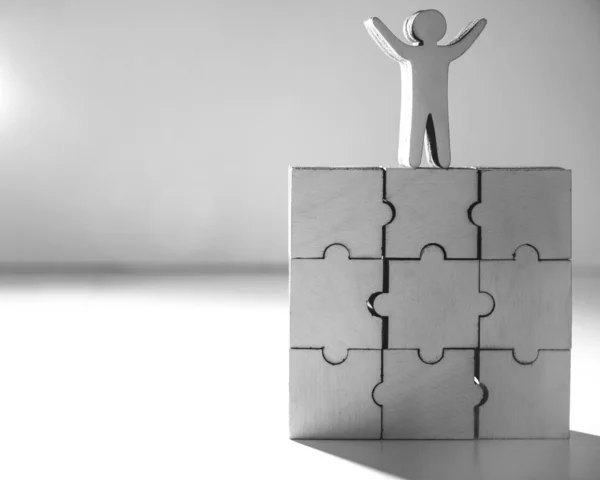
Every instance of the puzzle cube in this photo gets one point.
(429, 303)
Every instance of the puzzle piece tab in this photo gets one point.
(334, 401)
(532, 304)
(423, 401)
(525, 206)
(328, 303)
(432, 206)
(525, 401)
(433, 304)
(337, 205)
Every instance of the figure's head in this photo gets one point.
(425, 26)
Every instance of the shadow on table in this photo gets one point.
(577, 458)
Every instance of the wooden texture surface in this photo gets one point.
(328, 303)
(433, 304)
(532, 304)
(525, 401)
(424, 69)
(422, 401)
(525, 206)
(432, 206)
(514, 303)
(334, 401)
(337, 205)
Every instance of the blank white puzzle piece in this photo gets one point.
(532, 304)
(525, 401)
(432, 206)
(337, 205)
(328, 303)
(423, 401)
(433, 304)
(334, 401)
(525, 206)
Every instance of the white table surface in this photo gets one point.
(184, 377)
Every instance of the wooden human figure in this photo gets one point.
(424, 73)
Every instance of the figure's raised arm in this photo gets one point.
(391, 45)
(463, 41)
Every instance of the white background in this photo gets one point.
(187, 378)
(155, 131)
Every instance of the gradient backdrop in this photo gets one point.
(137, 132)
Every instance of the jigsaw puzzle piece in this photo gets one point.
(334, 401)
(328, 303)
(433, 304)
(525, 206)
(424, 401)
(525, 401)
(532, 304)
(337, 205)
(432, 206)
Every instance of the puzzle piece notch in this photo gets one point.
(334, 401)
(425, 401)
(432, 206)
(525, 400)
(433, 304)
(533, 304)
(343, 205)
(328, 303)
(525, 206)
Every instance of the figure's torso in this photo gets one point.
(429, 72)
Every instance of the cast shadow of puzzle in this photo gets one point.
(578, 457)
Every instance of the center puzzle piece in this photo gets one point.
(433, 304)
(328, 303)
(420, 400)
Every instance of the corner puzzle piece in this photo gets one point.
(337, 205)
(424, 67)
(328, 303)
(423, 401)
(433, 304)
(532, 304)
(525, 401)
(334, 401)
(432, 206)
(525, 206)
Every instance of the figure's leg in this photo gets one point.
(412, 133)
(438, 139)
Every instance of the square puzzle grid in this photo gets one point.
(430, 303)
